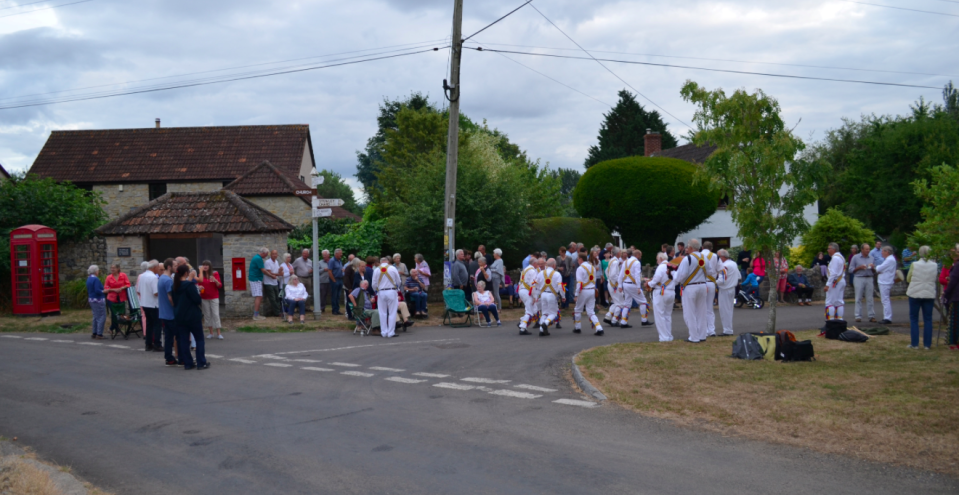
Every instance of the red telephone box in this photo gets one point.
(33, 264)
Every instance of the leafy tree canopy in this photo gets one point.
(363, 239)
(621, 133)
(755, 164)
(334, 187)
(939, 228)
(648, 200)
(568, 179)
(833, 226)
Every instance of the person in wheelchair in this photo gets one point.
(751, 286)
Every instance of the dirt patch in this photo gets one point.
(878, 401)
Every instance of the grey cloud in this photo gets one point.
(48, 49)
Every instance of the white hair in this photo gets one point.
(144, 265)
(93, 270)
(721, 252)
(325, 251)
(286, 255)
(887, 249)
(694, 244)
(397, 255)
(364, 282)
(480, 285)
(294, 278)
(498, 252)
(459, 252)
(924, 251)
(661, 256)
(152, 264)
(264, 250)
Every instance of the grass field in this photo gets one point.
(878, 401)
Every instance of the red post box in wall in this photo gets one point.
(239, 273)
(33, 266)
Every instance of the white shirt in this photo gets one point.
(555, 281)
(887, 270)
(385, 277)
(728, 275)
(147, 290)
(612, 272)
(712, 264)
(585, 277)
(836, 270)
(273, 267)
(635, 269)
(688, 270)
(297, 291)
(660, 278)
(285, 273)
(528, 279)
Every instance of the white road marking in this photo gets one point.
(534, 388)
(513, 393)
(63, 341)
(367, 345)
(357, 373)
(454, 386)
(306, 360)
(279, 365)
(483, 380)
(431, 375)
(573, 402)
(244, 361)
(400, 379)
(380, 368)
(317, 369)
(348, 365)
(270, 356)
(214, 356)
(11, 336)
(89, 343)
(35, 338)
(117, 346)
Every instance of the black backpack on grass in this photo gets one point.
(801, 351)
(747, 347)
(834, 328)
(785, 340)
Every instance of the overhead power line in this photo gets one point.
(23, 5)
(879, 83)
(497, 20)
(45, 8)
(901, 8)
(831, 67)
(203, 83)
(608, 69)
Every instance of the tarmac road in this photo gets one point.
(436, 410)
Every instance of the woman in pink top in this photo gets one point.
(115, 288)
(783, 265)
(759, 268)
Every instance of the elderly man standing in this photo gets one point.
(386, 282)
(798, 280)
(459, 277)
(861, 270)
(335, 267)
(660, 284)
(255, 276)
(691, 274)
(303, 269)
(835, 283)
(147, 293)
(886, 275)
(727, 281)
(271, 284)
(323, 265)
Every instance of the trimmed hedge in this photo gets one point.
(650, 200)
(548, 234)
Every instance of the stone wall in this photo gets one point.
(128, 264)
(76, 257)
(240, 303)
(290, 208)
(194, 186)
(120, 202)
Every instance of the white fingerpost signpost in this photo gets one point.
(322, 208)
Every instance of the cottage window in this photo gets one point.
(157, 190)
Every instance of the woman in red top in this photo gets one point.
(115, 288)
(783, 265)
(209, 284)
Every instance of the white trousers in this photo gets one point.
(863, 287)
(663, 307)
(586, 300)
(635, 293)
(616, 306)
(884, 290)
(386, 303)
(550, 308)
(726, 299)
(694, 311)
(530, 308)
(834, 302)
(710, 312)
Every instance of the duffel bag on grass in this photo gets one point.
(801, 351)
(747, 347)
(875, 331)
(834, 328)
(853, 336)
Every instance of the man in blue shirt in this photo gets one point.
(165, 297)
(336, 285)
(876, 254)
(908, 256)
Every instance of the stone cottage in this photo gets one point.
(218, 226)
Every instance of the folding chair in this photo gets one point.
(457, 307)
(127, 323)
(364, 324)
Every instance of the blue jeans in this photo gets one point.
(183, 343)
(335, 289)
(292, 306)
(914, 306)
(419, 301)
(486, 310)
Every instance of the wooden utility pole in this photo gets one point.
(452, 144)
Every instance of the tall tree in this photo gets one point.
(755, 163)
(334, 187)
(568, 179)
(950, 99)
(939, 228)
(621, 133)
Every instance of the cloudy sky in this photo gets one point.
(98, 47)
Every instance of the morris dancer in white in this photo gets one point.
(585, 296)
(615, 295)
(836, 283)
(549, 290)
(886, 276)
(727, 282)
(692, 275)
(663, 296)
(386, 282)
(712, 271)
(631, 275)
(525, 289)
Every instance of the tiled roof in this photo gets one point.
(267, 180)
(689, 152)
(220, 212)
(169, 154)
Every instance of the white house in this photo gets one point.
(719, 228)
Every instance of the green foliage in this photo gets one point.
(27, 199)
(749, 165)
(648, 200)
(333, 187)
(74, 293)
(939, 228)
(834, 227)
(303, 235)
(621, 133)
(363, 239)
(548, 234)
(568, 179)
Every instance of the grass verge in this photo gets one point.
(877, 401)
(68, 321)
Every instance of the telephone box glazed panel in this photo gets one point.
(33, 267)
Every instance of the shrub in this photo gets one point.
(650, 200)
(834, 227)
(548, 234)
(363, 239)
